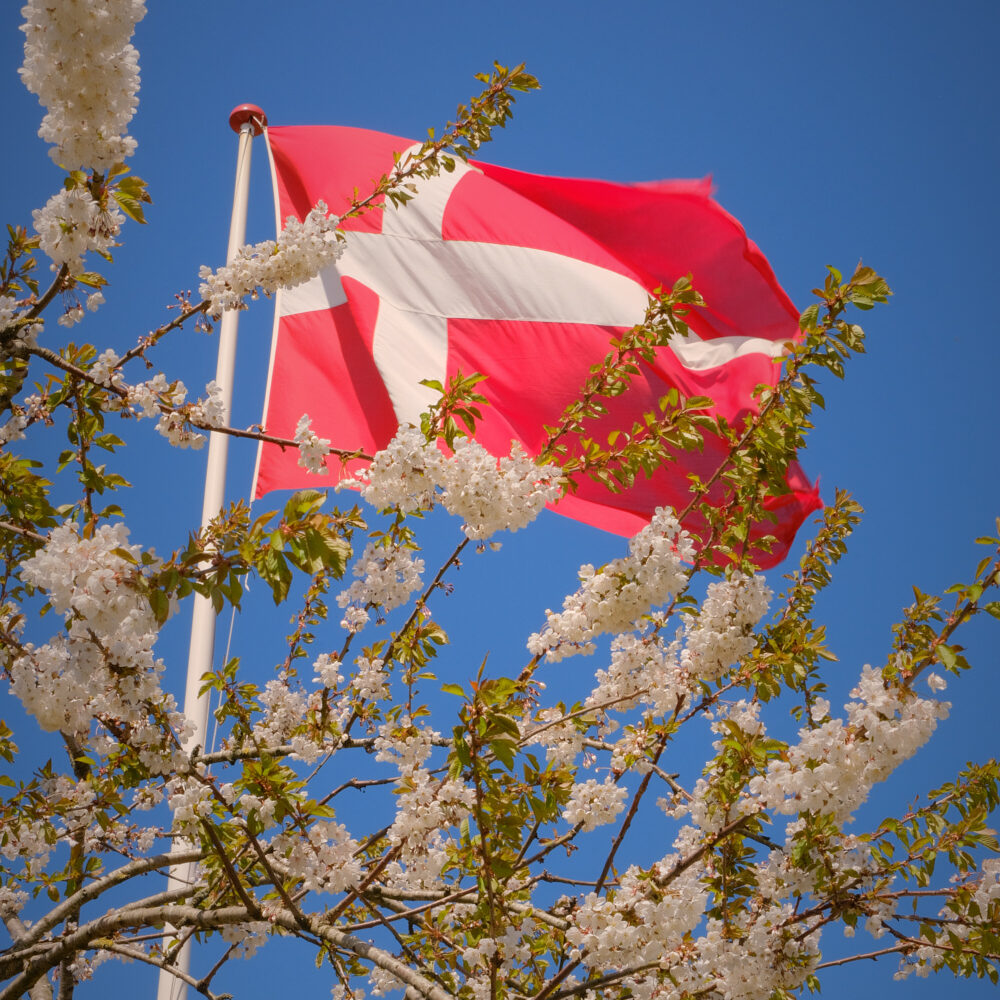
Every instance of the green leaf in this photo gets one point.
(947, 655)
(504, 751)
(160, 604)
(809, 318)
(303, 502)
(130, 206)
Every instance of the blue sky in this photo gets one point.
(834, 133)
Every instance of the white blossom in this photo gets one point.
(424, 807)
(563, 741)
(190, 801)
(722, 632)
(284, 709)
(987, 894)
(72, 315)
(249, 936)
(820, 710)
(753, 963)
(11, 901)
(642, 670)
(210, 410)
(404, 474)
(422, 869)
(8, 311)
(13, 429)
(834, 766)
(301, 251)
(104, 369)
(103, 663)
(387, 576)
(327, 670)
(370, 682)
(312, 448)
(147, 398)
(638, 924)
(488, 493)
(493, 495)
(404, 744)
(615, 597)
(71, 224)
(322, 859)
(174, 428)
(382, 981)
(78, 61)
(594, 803)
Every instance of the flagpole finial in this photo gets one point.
(244, 113)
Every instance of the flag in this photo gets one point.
(526, 279)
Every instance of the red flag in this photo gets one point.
(524, 278)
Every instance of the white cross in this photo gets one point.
(423, 280)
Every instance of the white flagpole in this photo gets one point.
(247, 120)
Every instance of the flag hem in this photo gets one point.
(277, 317)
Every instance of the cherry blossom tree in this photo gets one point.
(468, 891)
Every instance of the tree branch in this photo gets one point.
(90, 892)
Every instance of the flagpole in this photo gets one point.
(247, 120)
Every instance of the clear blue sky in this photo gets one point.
(833, 132)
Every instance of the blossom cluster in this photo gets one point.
(13, 427)
(425, 806)
(148, 398)
(648, 921)
(73, 312)
(750, 958)
(209, 411)
(987, 894)
(323, 859)
(301, 251)
(104, 369)
(563, 741)
(387, 576)
(312, 448)
(489, 494)
(639, 922)
(9, 307)
(157, 397)
(403, 474)
(594, 803)
(425, 809)
(722, 632)
(834, 766)
(284, 708)
(327, 669)
(248, 937)
(79, 61)
(615, 597)
(103, 664)
(11, 901)
(508, 953)
(71, 223)
(642, 669)
(190, 800)
(371, 682)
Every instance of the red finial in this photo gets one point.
(244, 113)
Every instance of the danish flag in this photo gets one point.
(526, 279)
